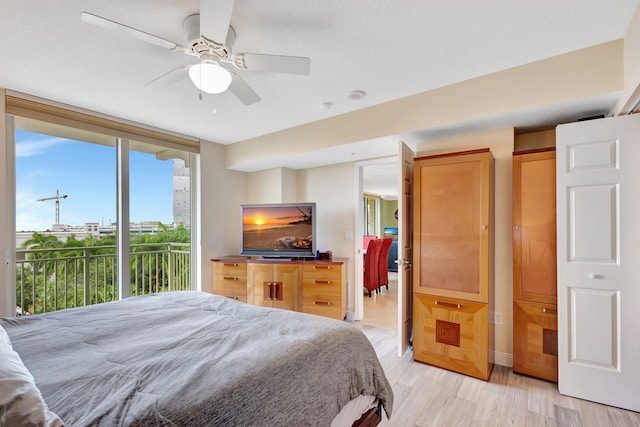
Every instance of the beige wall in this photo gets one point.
(535, 140)
(501, 143)
(551, 81)
(631, 66)
(222, 192)
(277, 185)
(335, 203)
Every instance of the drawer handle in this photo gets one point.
(322, 267)
(549, 311)
(322, 282)
(231, 297)
(322, 302)
(229, 278)
(448, 304)
(231, 264)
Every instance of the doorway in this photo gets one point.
(378, 213)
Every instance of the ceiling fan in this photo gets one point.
(211, 39)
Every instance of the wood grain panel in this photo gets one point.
(471, 357)
(534, 324)
(324, 290)
(230, 280)
(534, 227)
(453, 228)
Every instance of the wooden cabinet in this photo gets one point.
(452, 334)
(535, 331)
(324, 290)
(230, 279)
(275, 285)
(314, 287)
(453, 261)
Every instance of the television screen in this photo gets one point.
(279, 230)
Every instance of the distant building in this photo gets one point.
(181, 215)
(181, 193)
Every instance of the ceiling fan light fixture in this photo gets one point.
(210, 77)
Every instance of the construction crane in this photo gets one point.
(57, 198)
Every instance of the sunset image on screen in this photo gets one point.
(277, 228)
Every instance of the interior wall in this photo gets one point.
(289, 186)
(222, 191)
(277, 185)
(387, 214)
(550, 81)
(265, 186)
(6, 243)
(335, 212)
(631, 67)
(501, 144)
(535, 140)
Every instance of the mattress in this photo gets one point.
(196, 359)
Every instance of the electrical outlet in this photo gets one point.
(496, 318)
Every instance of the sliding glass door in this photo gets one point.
(74, 188)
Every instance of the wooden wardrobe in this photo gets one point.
(535, 321)
(453, 261)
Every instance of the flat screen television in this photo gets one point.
(279, 230)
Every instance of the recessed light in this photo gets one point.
(356, 94)
(326, 105)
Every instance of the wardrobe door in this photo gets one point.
(453, 246)
(535, 323)
(452, 228)
(534, 226)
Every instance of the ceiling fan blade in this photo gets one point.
(274, 63)
(170, 77)
(215, 17)
(99, 21)
(243, 91)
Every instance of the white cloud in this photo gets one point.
(32, 147)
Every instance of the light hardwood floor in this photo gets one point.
(382, 308)
(429, 396)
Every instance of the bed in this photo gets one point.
(194, 359)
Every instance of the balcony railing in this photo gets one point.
(54, 279)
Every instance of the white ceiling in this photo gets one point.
(388, 49)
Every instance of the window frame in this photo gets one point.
(17, 105)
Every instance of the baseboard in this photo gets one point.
(502, 359)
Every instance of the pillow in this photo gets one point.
(21, 403)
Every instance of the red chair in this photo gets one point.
(371, 260)
(383, 262)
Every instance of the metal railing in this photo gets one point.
(57, 278)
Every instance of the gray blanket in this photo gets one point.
(195, 359)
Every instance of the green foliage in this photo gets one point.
(57, 275)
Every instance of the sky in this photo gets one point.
(86, 173)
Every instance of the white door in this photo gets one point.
(598, 190)
(405, 245)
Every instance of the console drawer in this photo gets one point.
(322, 272)
(230, 268)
